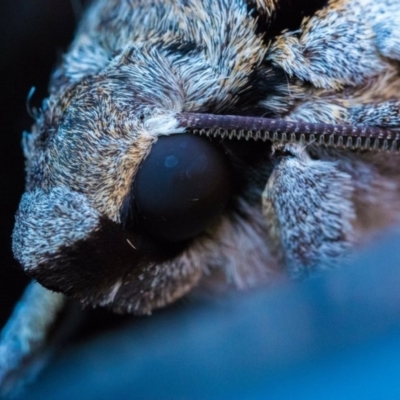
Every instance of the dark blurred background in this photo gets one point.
(33, 35)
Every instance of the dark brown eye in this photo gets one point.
(181, 188)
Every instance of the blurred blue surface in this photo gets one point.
(335, 337)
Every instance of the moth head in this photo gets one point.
(94, 226)
(127, 209)
(90, 146)
(124, 208)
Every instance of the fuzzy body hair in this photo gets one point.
(132, 66)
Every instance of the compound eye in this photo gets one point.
(181, 188)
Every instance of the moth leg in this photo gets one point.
(308, 208)
(26, 333)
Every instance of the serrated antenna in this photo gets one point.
(280, 130)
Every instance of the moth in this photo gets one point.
(194, 145)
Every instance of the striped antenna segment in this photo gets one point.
(280, 130)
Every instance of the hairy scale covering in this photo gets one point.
(133, 65)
